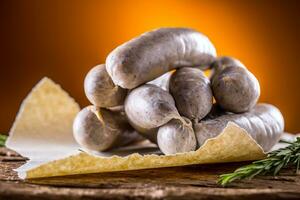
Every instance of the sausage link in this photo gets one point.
(154, 53)
(264, 123)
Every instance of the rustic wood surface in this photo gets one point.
(191, 182)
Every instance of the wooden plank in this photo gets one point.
(190, 182)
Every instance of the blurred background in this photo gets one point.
(63, 39)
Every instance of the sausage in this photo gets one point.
(152, 112)
(154, 53)
(264, 123)
(100, 89)
(234, 87)
(192, 93)
(176, 136)
(99, 129)
(148, 107)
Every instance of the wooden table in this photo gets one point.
(191, 182)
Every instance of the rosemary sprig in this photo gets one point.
(2, 140)
(275, 161)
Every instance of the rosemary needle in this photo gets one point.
(2, 140)
(275, 161)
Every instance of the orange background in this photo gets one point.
(64, 39)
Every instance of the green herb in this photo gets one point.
(2, 140)
(275, 161)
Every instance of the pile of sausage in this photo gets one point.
(154, 87)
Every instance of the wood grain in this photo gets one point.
(190, 182)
